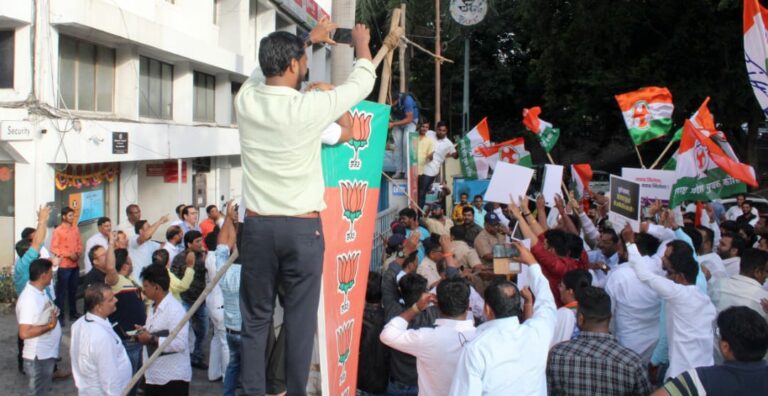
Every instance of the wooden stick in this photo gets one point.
(384, 50)
(386, 176)
(640, 157)
(401, 45)
(386, 73)
(200, 300)
(663, 153)
(438, 57)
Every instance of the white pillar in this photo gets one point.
(127, 82)
(183, 92)
(223, 100)
(343, 13)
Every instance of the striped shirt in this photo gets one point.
(731, 378)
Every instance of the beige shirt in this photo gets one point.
(428, 269)
(484, 244)
(437, 227)
(280, 130)
(464, 255)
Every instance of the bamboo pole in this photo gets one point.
(401, 58)
(200, 300)
(437, 62)
(640, 157)
(663, 153)
(386, 73)
(386, 176)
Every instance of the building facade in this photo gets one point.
(105, 103)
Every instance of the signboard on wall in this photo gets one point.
(172, 172)
(16, 130)
(306, 11)
(119, 142)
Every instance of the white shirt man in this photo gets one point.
(690, 317)
(141, 254)
(635, 308)
(38, 327)
(436, 349)
(175, 364)
(745, 288)
(100, 365)
(507, 357)
(443, 147)
(97, 239)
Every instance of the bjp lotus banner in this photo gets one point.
(352, 173)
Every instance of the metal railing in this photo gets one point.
(383, 219)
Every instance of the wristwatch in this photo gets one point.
(400, 254)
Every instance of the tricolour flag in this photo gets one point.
(473, 164)
(701, 119)
(581, 175)
(705, 172)
(543, 130)
(756, 49)
(647, 113)
(511, 151)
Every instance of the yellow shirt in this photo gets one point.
(280, 131)
(426, 147)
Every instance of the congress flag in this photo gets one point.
(647, 113)
(511, 151)
(473, 164)
(705, 172)
(543, 130)
(581, 175)
(756, 50)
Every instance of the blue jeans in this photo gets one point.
(398, 389)
(400, 137)
(66, 288)
(133, 349)
(40, 373)
(199, 324)
(232, 375)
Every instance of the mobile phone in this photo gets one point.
(342, 36)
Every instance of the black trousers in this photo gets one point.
(287, 251)
(424, 183)
(172, 388)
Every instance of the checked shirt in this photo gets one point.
(594, 364)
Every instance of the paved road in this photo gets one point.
(14, 383)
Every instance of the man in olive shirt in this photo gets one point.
(492, 234)
(283, 189)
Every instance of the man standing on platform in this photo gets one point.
(283, 188)
(66, 244)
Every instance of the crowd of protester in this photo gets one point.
(678, 308)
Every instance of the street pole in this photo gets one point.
(465, 101)
(437, 61)
(343, 14)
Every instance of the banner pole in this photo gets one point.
(663, 153)
(410, 200)
(640, 157)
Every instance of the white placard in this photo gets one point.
(553, 177)
(508, 181)
(654, 183)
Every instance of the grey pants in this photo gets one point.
(287, 251)
(40, 373)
